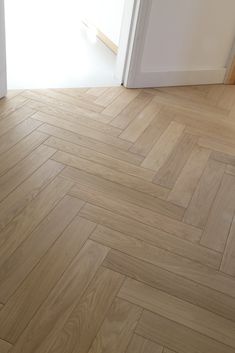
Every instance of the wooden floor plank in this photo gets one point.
(123, 193)
(187, 181)
(199, 206)
(135, 129)
(16, 175)
(17, 266)
(171, 169)
(117, 329)
(152, 235)
(82, 130)
(47, 273)
(138, 213)
(5, 346)
(179, 311)
(141, 345)
(44, 329)
(11, 105)
(20, 150)
(166, 260)
(91, 144)
(79, 167)
(152, 133)
(26, 221)
(55, 109)
(177, 337)
(27, 191)
(171, 283)
(108, 96)
(100, 158)
(221, 215)
(164, 146)
(133, 108)
(228, 262)
(17, 133)
(95, 302)
(120, 103)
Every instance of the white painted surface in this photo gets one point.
(3, 83)
(126, 39)
(182, 42)
(106, 15)
(48, 48)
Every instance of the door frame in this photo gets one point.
(3, 73)
(127, 39)
(230, 73)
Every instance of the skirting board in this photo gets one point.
(177, 78)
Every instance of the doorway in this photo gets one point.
(64, 43)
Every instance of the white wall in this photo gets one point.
(184, 41)
(106, 15)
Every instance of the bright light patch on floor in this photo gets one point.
(48, 46)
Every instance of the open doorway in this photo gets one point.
(63, 43)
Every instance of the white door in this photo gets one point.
(180, 42)
(3, 75)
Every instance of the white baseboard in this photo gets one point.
(177, 78)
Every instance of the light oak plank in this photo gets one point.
(107, 176)
(218, 145)
(171, 283)
(187, 181)
(95, 303)
(17, 133)
(11, 105)
(166, 260)
(152, 133)
(27, 191)
(108, 96)
(62, 100)
(178, 337)
(131, 111)
(230, 169)
(141, 345)
(168, 174)
(91, 144)
(45, 327)
(164, 146)
(138, 213)
(23, 169)
(97, 91)
(100, 158)
(82, 130)
(223, 158)
(53, 108)
(82, 121)
(122, 193)
(5, 346)
(135, 129)
(221, 215)
(228, 262)
(179, 311)
(117, 329)
(204, 195)
(26, 221)
(28, 297)
(152, 235)
(20, 150)
(121, 102)
(17, 266)
(14, 119)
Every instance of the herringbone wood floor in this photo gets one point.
(117, 228)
